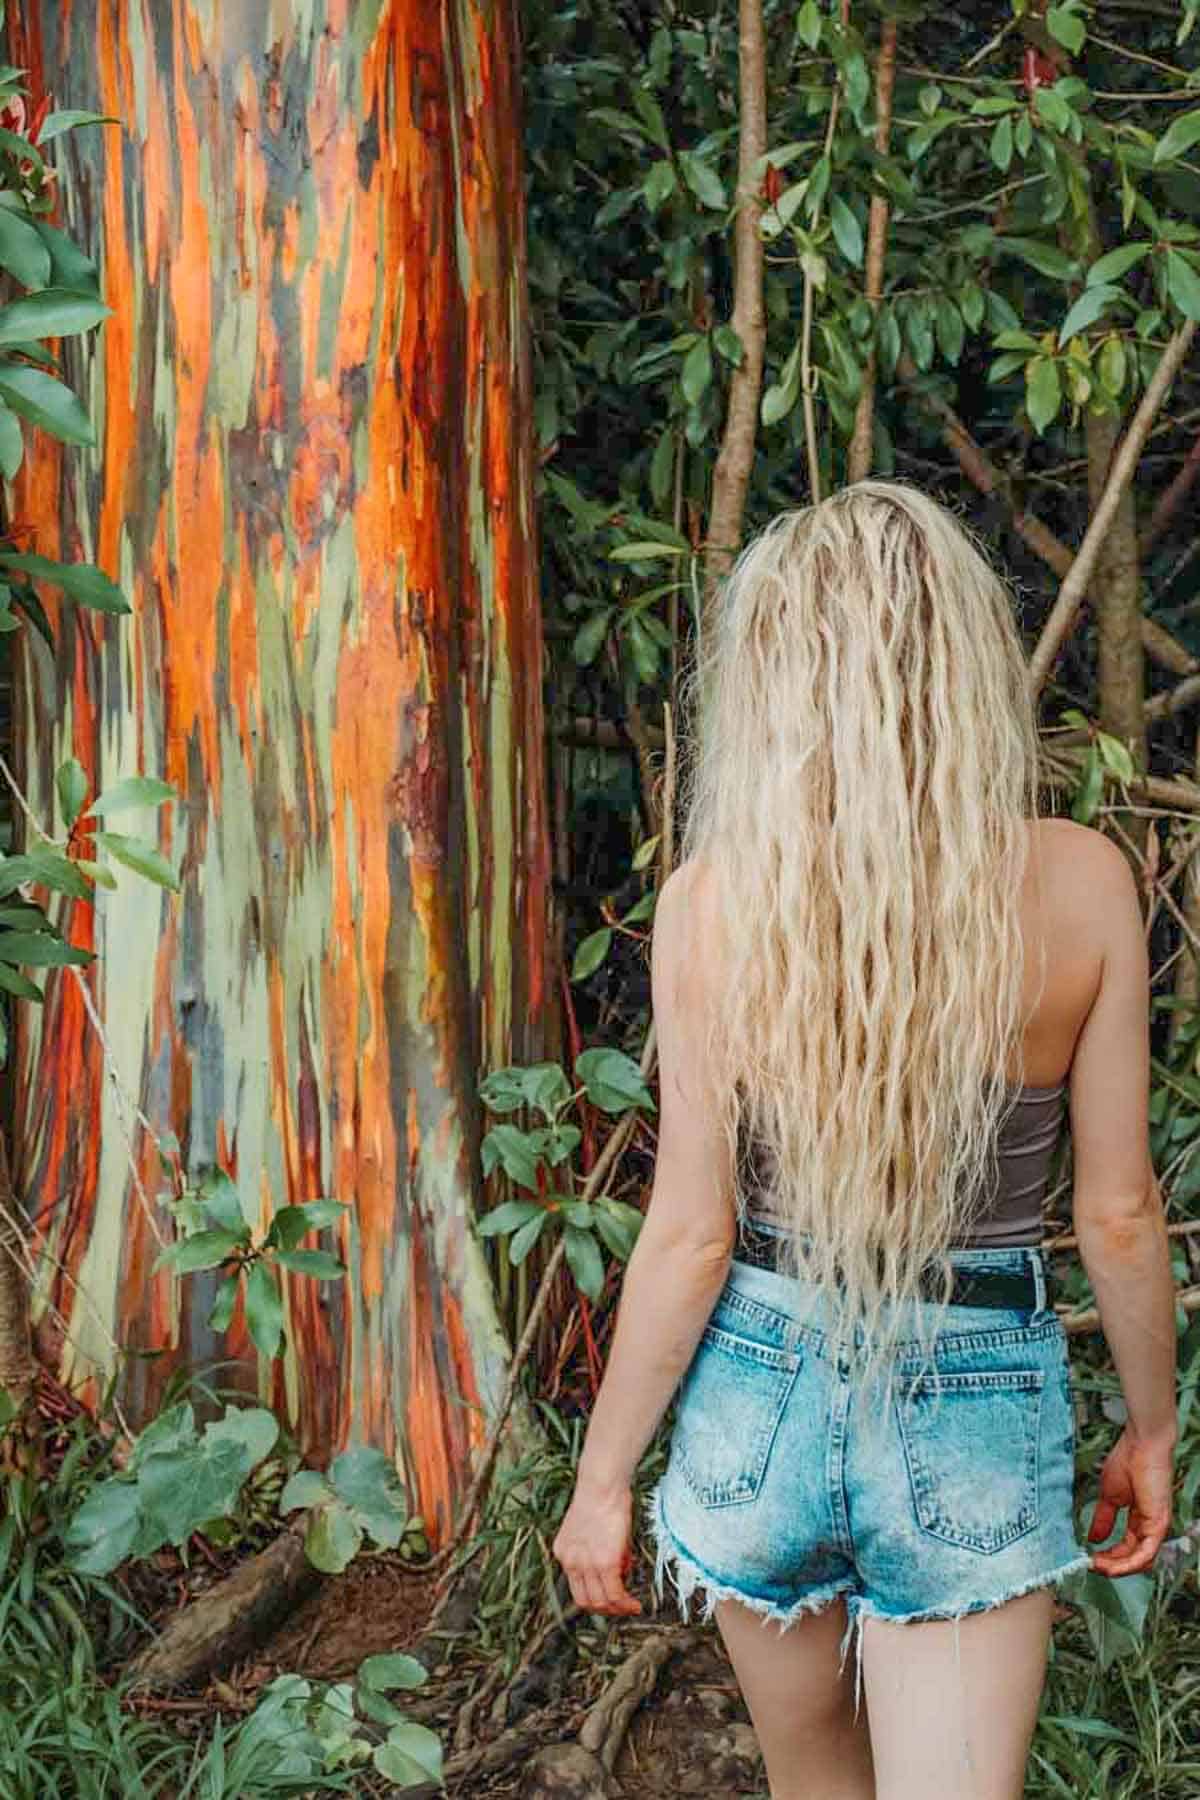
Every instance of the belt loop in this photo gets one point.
(1039, 1281)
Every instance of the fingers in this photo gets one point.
(1103, 1520)
(599, 1588)
(1136, 1550)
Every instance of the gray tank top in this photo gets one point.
(1026, 1144)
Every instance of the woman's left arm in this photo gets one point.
(678, 1266)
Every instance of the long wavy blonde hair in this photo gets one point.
(860, 766)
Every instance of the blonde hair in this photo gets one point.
(860, 769)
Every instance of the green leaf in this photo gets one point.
(138, 854)
(411, 1755)
(72, 784)
(658, 186)
(1112, 366)
(1053, 109)
(333, 1538)
(321, 1265)
(1047, 259)
(587, 1264)
(522, 1241)
(45, 401)
(41, 950)
(808, 24)
(1115, 756)
(102, 877)
(644, 552)
(203, 1250)
(307, 1487)
(68, 120)
(134, 790)
(1178, 138)
(12, 444)
(590, 953)
(1183, 285)
(590, 636)
(46, 867)
(22, 251)
(510, 1147)
(950, 329)
(1043, 392)
(703, 180)
(223, 1307)
(18, 985)
(264, 1309)
(83, 582)
(613, 1080)
(220, 1199)
(1090, 306)
(253, 1429)
(366, 1480)
(102, 1533)
(507, 1217)
(54, 312)
(1067, 27)
(539, 1084)
(1116, 263)
(1001, 147)
(1090, 790)
(390, 1671)
(847, 231)
(696, 375)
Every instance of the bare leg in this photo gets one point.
(801, 1707)
(953, 1705)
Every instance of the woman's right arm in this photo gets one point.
(1120, 1225)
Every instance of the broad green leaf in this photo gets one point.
(69, 119)
(72, 784)
(138, 854)
(1091, 789)
(590, 953)
(1069, 29)
(253, 1429)
(659, 185)
(847, 231)
(1047, 259)
(1178, 138)
(82, 582)
(1001, 147)
(411, 1756)
(1053, 109)
(366, 1480)
(730, 345)
(522, 1241)
(645, 853)
(644, 552)
(54, 312)
(70, 267)
(132, 791)
(223, 1307)
(613, 1080)
(41, 950)
(95, 872)
(703, 180)
(101, 1533)
(1043, 392)
(587, 1264)
(510, 1147)
(696, 375)
(1183, 285)
(542, 1085)
(323, 1212)
(1115, 756)
(219, 1198)
(1112, 365)
(808, 24)
(46, 867)
(45, 401)
(12, 444)
(507, 1217)
(590, 636)
(178, 1492)
(950, 329)
(320, 1265)
(19, 986)
(307, 1487)
(1116, 263)
(1090, 306)
(390, 1671)
(22, 251)
(264, 1309)
(203, 1250)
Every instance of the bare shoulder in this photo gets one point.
(688, 914)
(1086, 876)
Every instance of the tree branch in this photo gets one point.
(731, 477)
(862, 441)
(1124, 464)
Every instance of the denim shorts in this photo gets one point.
(789, 1483)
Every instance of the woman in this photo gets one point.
(876, 979)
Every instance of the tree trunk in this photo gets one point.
(17, 1367)
(314, 480)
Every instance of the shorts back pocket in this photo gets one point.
(971, 1445)
(730, 1404)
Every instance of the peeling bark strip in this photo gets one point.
(314, 480)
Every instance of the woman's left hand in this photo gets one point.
(594, 1546)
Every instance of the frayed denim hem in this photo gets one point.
(686, 1574)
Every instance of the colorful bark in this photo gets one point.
(314, 482)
